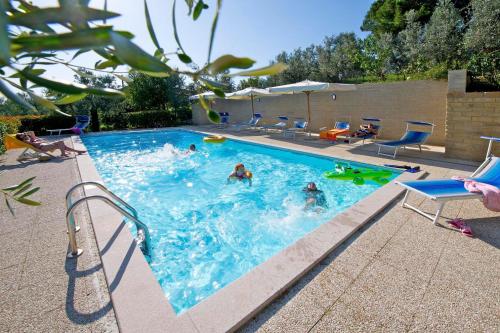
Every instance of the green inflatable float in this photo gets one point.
(358, 175)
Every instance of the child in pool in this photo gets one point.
(315, 198)
(240, 173)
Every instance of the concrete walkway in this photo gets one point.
(41, 290)
(399, 274)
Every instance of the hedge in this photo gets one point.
(8, 125)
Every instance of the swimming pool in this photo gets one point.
(206, 233)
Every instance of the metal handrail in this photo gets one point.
(143, 238)
(104, 189)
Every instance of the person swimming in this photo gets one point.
(315, 198)
(240, 173)
(192, 148)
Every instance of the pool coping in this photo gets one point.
(139, 301)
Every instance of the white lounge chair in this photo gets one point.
(299, 126)
(280, 125)
(444, 190)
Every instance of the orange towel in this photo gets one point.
(332, 134)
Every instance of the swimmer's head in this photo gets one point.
(192, 147)
(239, 167)
(312, 186)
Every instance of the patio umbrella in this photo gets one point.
(248, 93)
(309, 87)
(208, 95)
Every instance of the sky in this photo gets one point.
(259, 29)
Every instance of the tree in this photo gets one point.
(95, 104)
(410, 41)
(339, 57)
(388, 16)
(252, 82)
(378, 55)
(482, 40)
(156, 93)
(443, 35)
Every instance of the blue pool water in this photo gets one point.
(207, 233)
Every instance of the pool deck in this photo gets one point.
(398, 273)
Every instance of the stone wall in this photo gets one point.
(468, 117)
(393, 102)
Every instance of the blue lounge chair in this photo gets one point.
(251, 124)
(377, 127)
(410, 138)
(82, 121)
(444, 190)
(224, 120)
(299, 126)
(280, 125)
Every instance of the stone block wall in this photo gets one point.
(393, 102)
(468, 117)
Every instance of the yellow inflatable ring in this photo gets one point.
(214, 139)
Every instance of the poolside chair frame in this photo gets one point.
(280, 126)
(352, 139)
(393, 155)
(251, 124)
(292, 131)
(440, 200)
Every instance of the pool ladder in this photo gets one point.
(143, 239)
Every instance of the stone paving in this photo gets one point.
(399, 273)
(41, 290)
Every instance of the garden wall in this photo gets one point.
(393, 102)
(470, 116)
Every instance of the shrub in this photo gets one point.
(40, 124)
(151, 119)
(8, 125)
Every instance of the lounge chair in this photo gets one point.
(410, 138)
(81, 124)
(224, 120)
(299, 126)
(11, 142)
(340, 128)
(444, 190)
(280, 125)
(251, 124)
(377, 127)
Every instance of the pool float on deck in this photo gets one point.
(358, 175)
(214, 139)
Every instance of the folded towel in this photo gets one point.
(491, 194)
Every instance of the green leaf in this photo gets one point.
(218, 92)
(7, 203)
(22, 189)
(212, 84)
(60, 15)
(212, 31)
(268, 70)
(150, 26)
(174, 23)
(34, 71)
(184, 58)
(70, 99)
(155, 74)
(37, 55)
(228, 61)
(189, 3)
(79, 52)
(15, 97)
(213, 116)
(135, 57)
(197, 10)
(4, 34)
(85, 38)
(69, 87)
(10, 188)
(30, 192)
(28, 202)
(106, 64)
(26, 181)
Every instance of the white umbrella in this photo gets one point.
(248, 93)
(308, 87)
(206, 95)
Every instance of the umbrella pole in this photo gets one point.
(253, 113)
(308, 93)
